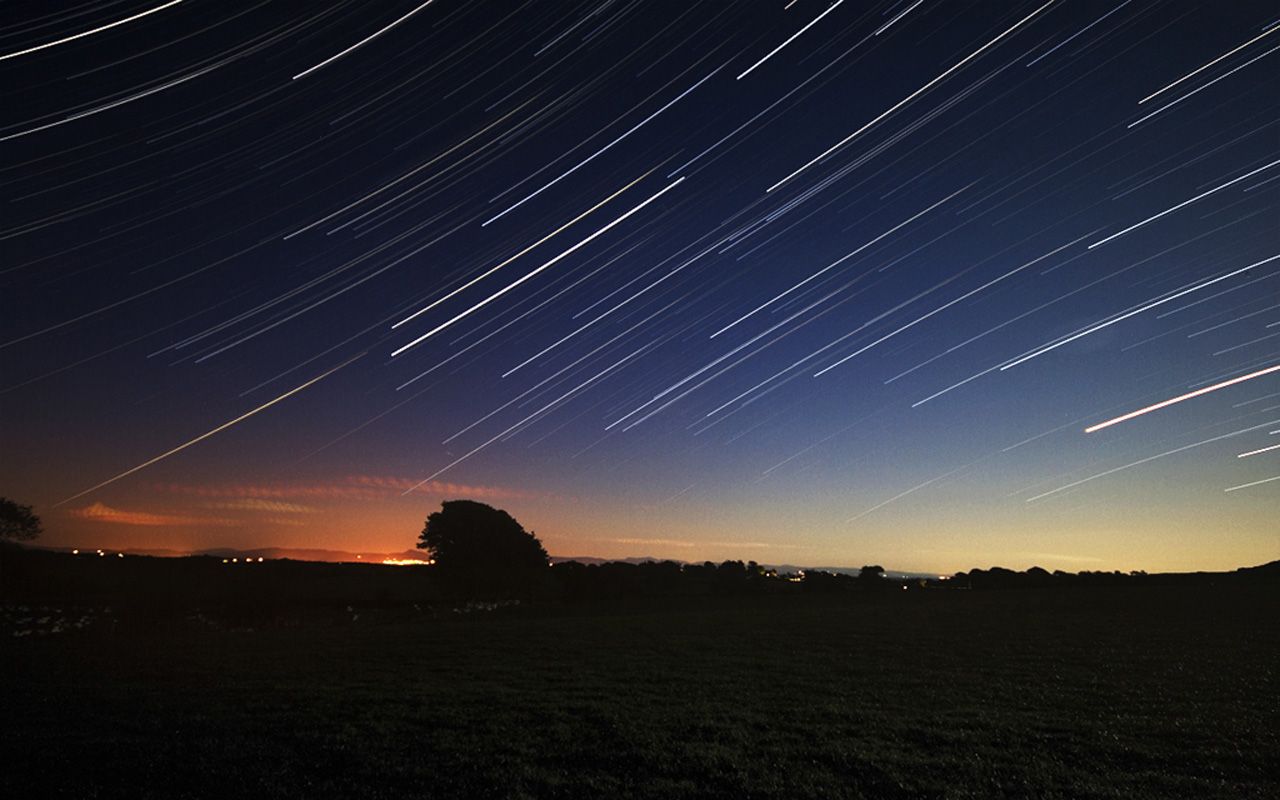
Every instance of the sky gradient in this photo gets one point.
(807, 282)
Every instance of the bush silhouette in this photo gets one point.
(481, 551)
(18, 522)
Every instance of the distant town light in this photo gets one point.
(259, 559)
(75, 552)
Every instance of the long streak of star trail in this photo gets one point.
(209, 433)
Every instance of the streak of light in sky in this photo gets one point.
(1182, 397)
(89, 32)
(362, 42)
(207, 434)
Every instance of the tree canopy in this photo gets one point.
(481, 549)
(18, 522)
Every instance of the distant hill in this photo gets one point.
(315, 554)
(888, 573)
(1270, 570)
(595, 560)
(780, 568)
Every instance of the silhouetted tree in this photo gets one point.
(481, 550)
(18, 522)
(871, 573)
(731, 576)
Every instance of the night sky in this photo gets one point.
(807, 282)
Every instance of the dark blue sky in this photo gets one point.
(806, 282)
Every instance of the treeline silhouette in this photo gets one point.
(1036, 577)
(151, 591)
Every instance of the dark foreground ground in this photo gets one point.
(1124, 692)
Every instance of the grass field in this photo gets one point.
(1115, 692)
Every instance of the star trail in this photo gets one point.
(862, 282)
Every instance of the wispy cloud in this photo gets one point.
(98, 512)
(1061, 557)
(687, 543)
(261, 504)
(349, 487)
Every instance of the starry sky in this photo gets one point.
(800, 282)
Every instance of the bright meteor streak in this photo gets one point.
(1259, 450)
(545, 266)
(204, 436)
(83, 34)
(1165, 403)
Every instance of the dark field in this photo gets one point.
(1153, 691)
